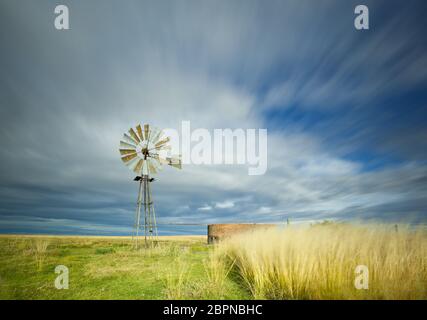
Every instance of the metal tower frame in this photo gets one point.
(150, 226)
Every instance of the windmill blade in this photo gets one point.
(134, 135)
(146, 132)
(129, 157)
(151, 166)
(131, 163)
(127, 151)
(139, 130)
(128, 139)
(126, 145)
(164, 147)
(155, 156)
(162, 142)
(155, 135)
(156, 162)
(138, 167)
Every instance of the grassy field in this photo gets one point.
(110, 268)
(292, 263)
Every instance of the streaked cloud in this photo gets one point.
(345, 110)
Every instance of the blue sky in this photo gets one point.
(345, 110)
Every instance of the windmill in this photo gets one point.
(145, 150)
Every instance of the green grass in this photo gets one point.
(110, 268)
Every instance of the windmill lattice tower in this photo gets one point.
(144, 152)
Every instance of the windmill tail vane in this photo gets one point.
(144, 150)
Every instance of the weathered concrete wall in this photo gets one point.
(217, 232)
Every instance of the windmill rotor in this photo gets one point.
(145, 150)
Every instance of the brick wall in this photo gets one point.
(217, 232)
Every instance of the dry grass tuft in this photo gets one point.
(319, 262)
(176, 280)
(39, 251)
(217, 271)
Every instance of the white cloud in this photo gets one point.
(264, 210)
(205, 208)
(224, 205)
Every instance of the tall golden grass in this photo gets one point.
(175, 282)
(39, 251)
(319, 262)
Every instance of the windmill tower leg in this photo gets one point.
(145, 179)
(149, 222)
(150, 227)
(153, 224)
(135, 234)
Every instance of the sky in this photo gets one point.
(345, 110)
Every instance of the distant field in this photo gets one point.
(161, 238)
(293, 263)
